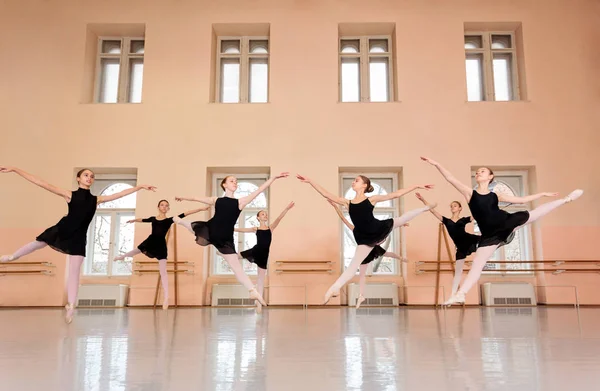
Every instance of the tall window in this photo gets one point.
(108, 234)
(491, 65)
(242, 70)
(120, 70)
(243, 241)
(513, 183)
(383, 184)
(365, 69)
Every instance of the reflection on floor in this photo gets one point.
(310, 350)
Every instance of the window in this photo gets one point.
(383, 184)
(365, 69)
(243, 241)
(109, 235)
(512, 183)
(242, 70)
(120, 70)
(491, 66)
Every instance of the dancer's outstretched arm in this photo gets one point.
(465, 190)
(248, 199)
(191, 212)
(322, 191)
(137, 221)
(37, 181)
(524, 200)
(250, 230)
(432, 210)
(397, 193)
(280, 217)
(341, 215)
(124, 193)
(204, 200)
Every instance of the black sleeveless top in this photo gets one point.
(367, 229)
(155, 246)
(465, 242)
(259, 254)
(69, 235)
(497, 226)
(218, 231)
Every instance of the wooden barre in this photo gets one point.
(5, 264)
(305, 271)
(154, 271)
(557, 262)
(168, 262)
(45, 272)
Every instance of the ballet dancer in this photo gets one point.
(155, 246)
(368, 231)
(259, 254)
(375, 254)
(69, 235)
(218, 231)
(465, 243)
(497, 226)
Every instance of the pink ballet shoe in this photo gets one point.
(329, 294)
(258, 307)
(70, 312)
(457, 298)
(6, 258)
(361, 299)
(255, 295)
(575, 194)
(166, 304)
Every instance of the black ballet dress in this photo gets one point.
(377, 252)
(367, 229)
(69, 235)
(497, 226)
(155, 246)
(218, 231)
(259, 254)
(465, 242)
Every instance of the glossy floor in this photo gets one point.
(293, 349)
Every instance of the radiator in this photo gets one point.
(382, 294)
(508, 294)
(97, 295)
(230, 295)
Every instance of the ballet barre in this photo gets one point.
(44, 272)
(554, 262)
(7, 264)
(554, 271)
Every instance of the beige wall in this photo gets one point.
(176, 133)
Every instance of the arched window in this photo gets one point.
(109, 235)
(382, 184)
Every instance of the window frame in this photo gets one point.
(526, 235)
(394, 210)
(244, 56)
(124, 61)
(489, 94)
(364, 57)
(107, 180)
(216, 192)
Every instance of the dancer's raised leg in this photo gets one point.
(408, 216)
(242, 277)
(482, 255)
(548, 207)
(361, 253)
(26, 249)
(130, 254)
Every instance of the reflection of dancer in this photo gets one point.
(368, 231)
(465, 242)
(259, 254)
(497, 226)
(376, 253)
(218, 231)
(155, 246)
(69, 236)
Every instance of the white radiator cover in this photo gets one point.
(508, 294)
(98, 295)
(229, 295)
(380, 294)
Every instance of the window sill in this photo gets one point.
(238, 103)
(497, 101)
(111, 104)
(370, 103)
